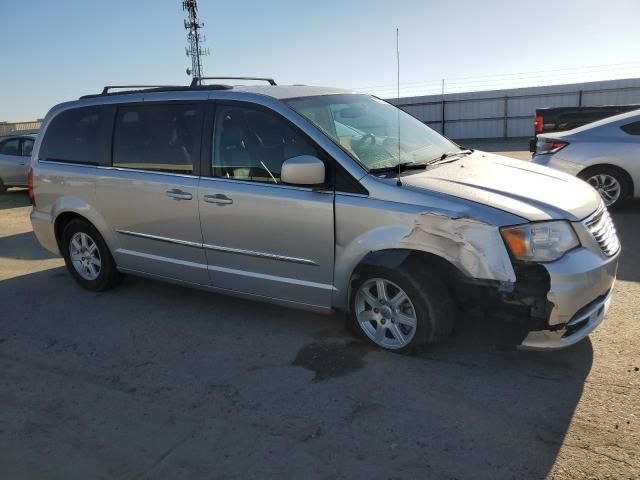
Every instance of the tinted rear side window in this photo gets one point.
(80, 135)
(10, 147)
(163, 138)
(632, 128)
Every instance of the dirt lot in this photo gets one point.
(160, 382)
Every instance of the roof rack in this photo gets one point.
(153, 88)
(196, 84)
(106, 89)
(198, 80)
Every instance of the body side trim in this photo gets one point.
(272, 278)
(252, 253)
(238, 251)
(160, 239)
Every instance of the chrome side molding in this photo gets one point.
(218, 248)
(252, 253)
(160, 239)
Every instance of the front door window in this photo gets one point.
(251, 144)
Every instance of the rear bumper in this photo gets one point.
(43, 229)
(557, 162)
(581, 286)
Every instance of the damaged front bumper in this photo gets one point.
(581, 285)
(576, 330)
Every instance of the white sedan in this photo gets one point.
(605, 153)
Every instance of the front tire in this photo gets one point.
(87, 256)
(395, 311)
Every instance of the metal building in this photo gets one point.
(13, 128)
(509, 113)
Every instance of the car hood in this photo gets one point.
(530, 191)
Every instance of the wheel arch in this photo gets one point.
(108, 275)
(415, 261)
(453, 243)
(592, 168)
(65, 208)
(63, 218)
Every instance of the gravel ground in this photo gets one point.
(153, 381)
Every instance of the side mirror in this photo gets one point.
(303, 170)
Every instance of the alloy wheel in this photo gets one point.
(85, 256)
(608, 186)
(385, 313)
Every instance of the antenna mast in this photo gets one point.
(399, 180)
(192, 25)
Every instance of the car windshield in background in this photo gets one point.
(367, 128)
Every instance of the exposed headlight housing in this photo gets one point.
(540, 242)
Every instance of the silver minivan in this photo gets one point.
(322, 199)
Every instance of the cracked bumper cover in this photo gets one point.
(581, 286)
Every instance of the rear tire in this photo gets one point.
(389, 321)
(611, 183)
(87, 256)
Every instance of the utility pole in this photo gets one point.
(192, 25)
(443, 107)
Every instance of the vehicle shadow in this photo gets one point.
(23, 246)
(14, 198)
(627, 222)
(159, 381)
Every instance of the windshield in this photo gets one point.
(367, 128)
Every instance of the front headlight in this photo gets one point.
(540, 242)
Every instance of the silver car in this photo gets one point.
(605, 153)
(15, 153)
(322, 199)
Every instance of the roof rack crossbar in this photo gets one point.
(198, 80)
(154, 89)
(106, 89)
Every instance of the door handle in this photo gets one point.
(179, 194)
(218, 199)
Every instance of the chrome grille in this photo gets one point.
(601, 227)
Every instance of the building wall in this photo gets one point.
(7, 128)
(509, 113)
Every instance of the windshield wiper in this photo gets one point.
(401, 166)
(420, 165)
(447, 155)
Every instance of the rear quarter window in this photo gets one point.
(79, 135)
(10, 147)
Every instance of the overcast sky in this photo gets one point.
(58, 50)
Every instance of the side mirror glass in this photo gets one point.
(303, 170)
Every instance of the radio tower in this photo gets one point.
(192, 25)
